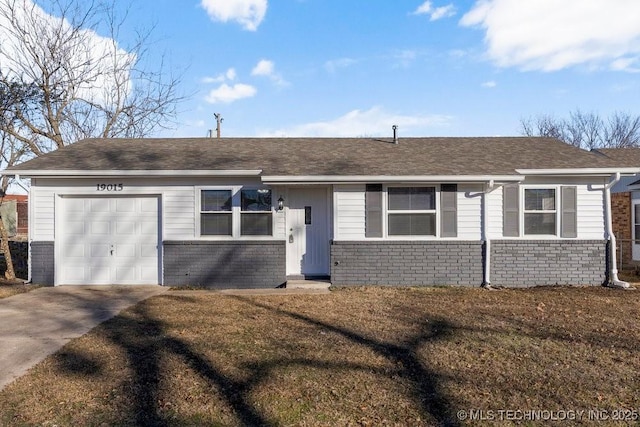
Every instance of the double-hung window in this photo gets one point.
(411, 211)
(540, 211)
(236, 212)
(255, 214)
(216, 217)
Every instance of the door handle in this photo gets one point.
(290, 238)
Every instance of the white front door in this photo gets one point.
(108, 240)
(635, 229)
(308, 232)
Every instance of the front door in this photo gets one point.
(308, 232)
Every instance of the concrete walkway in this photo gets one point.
(38, 323)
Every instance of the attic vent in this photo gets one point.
(395, 133)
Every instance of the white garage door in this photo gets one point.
(110, 240)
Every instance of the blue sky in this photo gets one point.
(354, 67)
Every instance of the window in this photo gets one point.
(215, 213)
(255, 214)
(540, 211)
(411, 211)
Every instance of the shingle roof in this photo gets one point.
(321, 156)
(623, 157)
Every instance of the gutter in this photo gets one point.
(342, 179)
(613, 281)
(131, 173)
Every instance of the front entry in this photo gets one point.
(308, 232)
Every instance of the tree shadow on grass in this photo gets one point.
(144, 340)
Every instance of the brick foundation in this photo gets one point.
(220, 265)
(517, 263)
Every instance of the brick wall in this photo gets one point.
(220, 265)
(42, 263)
(407, 263)
(544, 262)
(621, 218)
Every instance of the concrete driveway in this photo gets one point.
(38, 323)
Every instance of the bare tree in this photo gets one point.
(586, 130)
(64, 77)
(88, 86)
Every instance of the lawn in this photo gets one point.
(358, 356)
(9, 288)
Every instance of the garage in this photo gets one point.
(108, 240)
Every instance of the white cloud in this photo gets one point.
(266, 68)
(248, 13)
(373, 122)
(230, 74)
(427, 8)
(551, 35)
(97, 64)
(489, 84)
(226, 94)
(333, 65)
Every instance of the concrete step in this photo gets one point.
(308, 284)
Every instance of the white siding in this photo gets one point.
(178, 198)
(590, 213)
(280, 219)
(41, 214)
(178, 213)
(469, 211)
(349, 211)
(590, 209)
(494, 201)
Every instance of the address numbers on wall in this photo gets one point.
(109, 187)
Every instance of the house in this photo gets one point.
(625, 200)
(256, 212)
(15, 214)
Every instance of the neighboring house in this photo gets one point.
(15, 215)
(625, 200)
(255, 212)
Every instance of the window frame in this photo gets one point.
(203, 212)
(236, 206)
(387, 212)
(270, 212)
(556, 211)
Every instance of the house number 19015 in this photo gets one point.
(109, 187)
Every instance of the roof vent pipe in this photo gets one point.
(395, 133)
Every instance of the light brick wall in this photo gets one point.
(548, 262)
(220, 265)
(42, 263)
(407, 263)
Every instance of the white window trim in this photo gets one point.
(386, 211)
(235, 212)
(523, 212)
(272, 211)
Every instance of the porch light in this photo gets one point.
(280, 203)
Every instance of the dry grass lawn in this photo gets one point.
(9, 288)
(359, 356)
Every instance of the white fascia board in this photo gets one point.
(580, 171)
(131, 173)
(337, 179)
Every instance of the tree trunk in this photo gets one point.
(10, 274)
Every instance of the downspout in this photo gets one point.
(486, 282)
(614, 281)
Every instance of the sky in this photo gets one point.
(354, 68)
